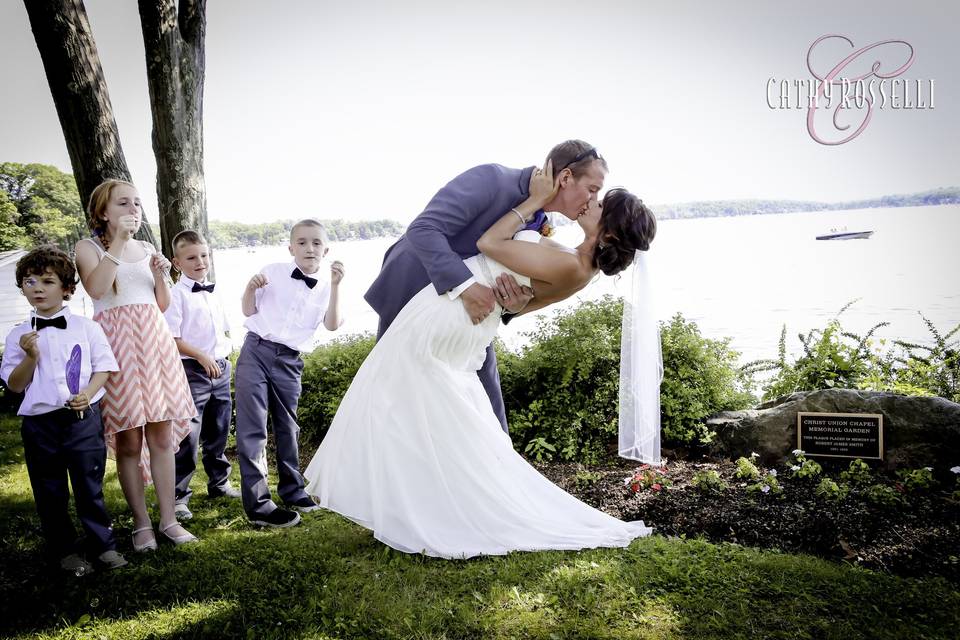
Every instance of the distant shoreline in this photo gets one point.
(730, 208)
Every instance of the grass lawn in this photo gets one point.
(328, 578)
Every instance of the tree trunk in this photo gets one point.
(72, 65)
(173, 40)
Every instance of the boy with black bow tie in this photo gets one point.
(60, 362)
(285, 304)
(201, 330)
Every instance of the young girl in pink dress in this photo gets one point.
(148, 400)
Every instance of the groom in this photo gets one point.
(440, 238)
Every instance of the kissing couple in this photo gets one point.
(418, 451)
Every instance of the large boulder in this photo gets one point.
(917, 431)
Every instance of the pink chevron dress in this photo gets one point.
(151, 385)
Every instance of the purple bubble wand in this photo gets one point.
(73, 374)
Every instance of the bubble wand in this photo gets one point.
(73, 374)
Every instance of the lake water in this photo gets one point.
(739, 277)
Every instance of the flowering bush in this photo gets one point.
(746, 469)
(767, 484)
(803, 468)
(647, 477)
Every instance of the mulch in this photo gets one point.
(920, 536)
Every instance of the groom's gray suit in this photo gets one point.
(438, 240)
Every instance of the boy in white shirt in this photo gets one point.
(285, 304)
(201, 330)
(60, 362)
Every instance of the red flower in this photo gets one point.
(656, 486)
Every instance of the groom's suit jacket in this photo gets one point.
(437, 241)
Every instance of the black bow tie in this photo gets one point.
(199, 287)
(42, 323)
(307, 280)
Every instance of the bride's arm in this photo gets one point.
(538, 261)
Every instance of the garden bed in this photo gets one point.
(916, 533)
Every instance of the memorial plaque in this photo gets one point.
(841, 435)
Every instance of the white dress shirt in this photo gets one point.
(198, 319)
(48, 391)
(288, 311)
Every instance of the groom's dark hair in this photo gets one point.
(564, 154)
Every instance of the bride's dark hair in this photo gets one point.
(626, 225)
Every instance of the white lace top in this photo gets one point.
(134, 282)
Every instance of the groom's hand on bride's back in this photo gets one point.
(478, 300)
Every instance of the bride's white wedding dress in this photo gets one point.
(416, 454)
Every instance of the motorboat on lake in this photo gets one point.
(845, 235)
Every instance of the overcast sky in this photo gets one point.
(364, 109)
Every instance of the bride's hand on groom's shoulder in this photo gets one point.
(543, 186)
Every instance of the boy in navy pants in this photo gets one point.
(60, 362)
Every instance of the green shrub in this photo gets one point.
(830, 490)
(708, 481)
(832, 358)
(881, 494)
(700, 378)
(857, 473)
(804, 468)
(917, 369)
(327, 373)
(835, 358)
(746, 470)
(561, 389)
(917, 479)
(768, 484)
(586, 478)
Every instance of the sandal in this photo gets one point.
(177, 540)
(149, 545)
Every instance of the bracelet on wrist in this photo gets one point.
(112, 258)
(523, 220)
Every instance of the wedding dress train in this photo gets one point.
(416, 454)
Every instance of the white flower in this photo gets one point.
(928, 468)
(955, 469)
(797, 452)
(765, 488)
(773, 472)
(794, 468)
(754, 454)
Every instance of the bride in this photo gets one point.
(415, 452)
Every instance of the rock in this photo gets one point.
(917, 431)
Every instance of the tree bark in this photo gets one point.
(173, 40)
(69, 54)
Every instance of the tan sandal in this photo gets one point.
(177, 540)
(149, 545)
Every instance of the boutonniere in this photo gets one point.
(546, 229)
